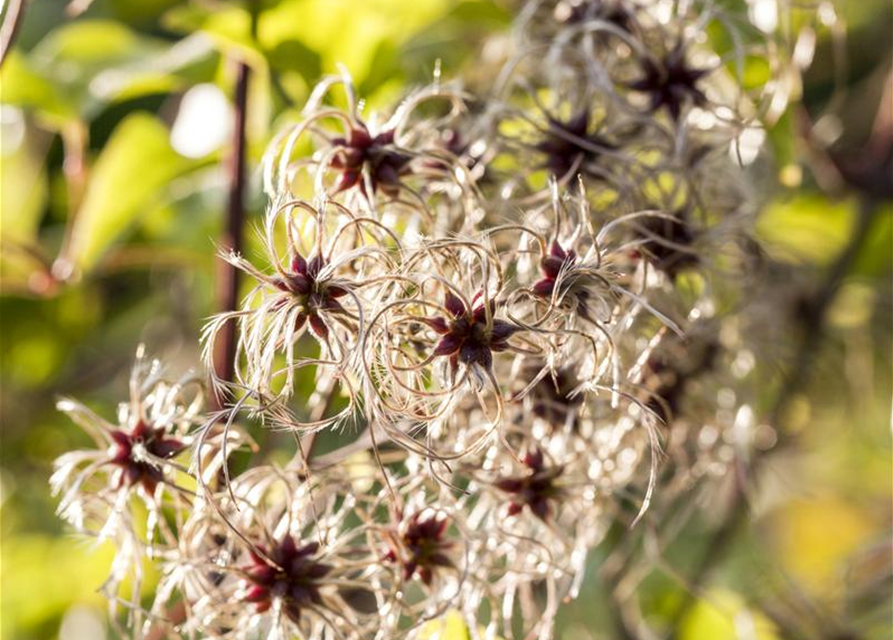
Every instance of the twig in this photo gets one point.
(75, 139)
(227, 284)
(320, 408)
(227, 276)
(12, 20)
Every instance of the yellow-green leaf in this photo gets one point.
(722, 615)
(807, 228)
(129, 178)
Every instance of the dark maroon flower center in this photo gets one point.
(671, 374)
(153, 441)
(359, 150)
(671, 83)
(291, 573)
(575, 286)
(424, 547)
(553, 397)
(667, 241)
(570, 144)
(534, 489)
(551, 267)
(316, 296)
(469, 337)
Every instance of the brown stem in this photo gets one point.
(12, 20)
(227, 275)
(322, 405)
(75, 138)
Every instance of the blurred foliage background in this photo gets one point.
(116, 117)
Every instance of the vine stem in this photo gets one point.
(227, 282)
(12, 20)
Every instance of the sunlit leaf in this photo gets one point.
(189, 61)
(24, 86)
(76, 573)
(129, 177)
(347, 32)
(449, 627)
(807, 228)
(67, 73)
(50, 574)
(722, 615)
(228, 26)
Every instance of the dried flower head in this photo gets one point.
(671, 82)
(132, 464)
(490, 290)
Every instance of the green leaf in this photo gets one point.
(345, 31)
(67, 74)
(23, 197)
(45, 589)
(23, 190)
(292, 55)
(129, 178)
(482, 12)
(88, 44)
(228, 26)
(190, 61)
(384, 67)
(807, 228)
(722, 615)
(24, 86)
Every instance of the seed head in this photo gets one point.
(671, 83)
(470, 336)
(535, 489)
(288, 572)
(421, 546)
(316, 297)
(376, 154)
(571, 145)
(132, 447)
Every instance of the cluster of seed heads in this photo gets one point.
(505, 300)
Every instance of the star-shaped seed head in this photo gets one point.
(666, 243)
(570, 144)
(133, 449)
(423, 547)
(470, 336)
(377, 154)
(288, 572)
(535, 489)
(671, 83)
(316, 295)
